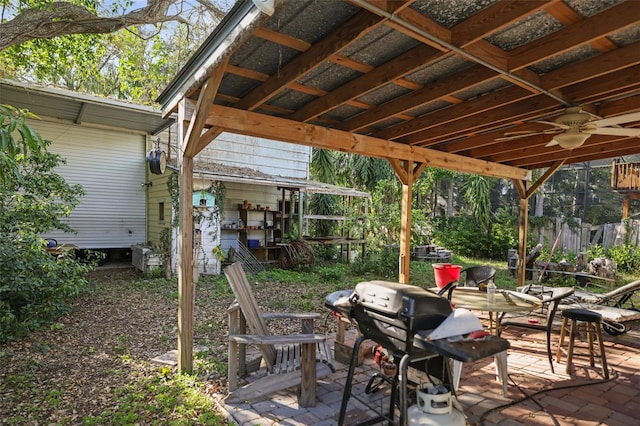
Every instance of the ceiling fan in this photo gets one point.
(575, 126)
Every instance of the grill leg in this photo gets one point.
(402, 384)
(349, 382)
(348, 385)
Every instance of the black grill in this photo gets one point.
(391, 314)
(400, 317)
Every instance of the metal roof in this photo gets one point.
(432, 81)
(245, 175)
(69, 106)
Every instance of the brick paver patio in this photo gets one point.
(536, 395)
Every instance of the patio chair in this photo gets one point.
(290, 360)
(619, 313)
(476, 275)
(551, 299)
(621, 297)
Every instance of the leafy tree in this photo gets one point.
(477, 195)
(133, 64)
(35, 287)
(38, 19)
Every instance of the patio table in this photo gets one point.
(504, 301)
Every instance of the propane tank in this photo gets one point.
(434, 407)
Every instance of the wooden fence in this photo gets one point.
(577, 238)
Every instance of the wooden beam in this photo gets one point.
(391, 70)
(201, 112)
(523, 222)
(206, 138)
(432, 124)
(397, 167)
(221, 54)
(442, 87)
(405, 171)
(614, 19)
(492, 19)
(542, 179)
(594, 67)
(185, 252)
(254, 124)
(610, 85)
(354, 28)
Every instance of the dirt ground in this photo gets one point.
(75, 369)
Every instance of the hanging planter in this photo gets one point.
(157, 160)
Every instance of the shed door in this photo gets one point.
(110, 165)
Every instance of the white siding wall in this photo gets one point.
(110, 166)
(268, 156)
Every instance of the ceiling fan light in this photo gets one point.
(571, 138)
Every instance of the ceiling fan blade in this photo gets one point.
(520, 132)
(525, 134)
(552, 123)
(615, 131)
(512, 137)
(619, 119)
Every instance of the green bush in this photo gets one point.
(35, 287)
(332, 273)
(462, 235)
(465, 237)
(383, 263)
(626, 256)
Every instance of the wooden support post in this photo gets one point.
(523, 221)
(625, 207)
(186, 300)
(185, 269)
(407, 171)
(308, 384)
(405, 233)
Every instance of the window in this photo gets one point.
(161, 211)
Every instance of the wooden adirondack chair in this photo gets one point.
(290, 360)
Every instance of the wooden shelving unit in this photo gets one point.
(261, 233)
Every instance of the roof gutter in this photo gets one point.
(408, 25)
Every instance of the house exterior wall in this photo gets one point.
(264, 155)
(110, 166)
(158, 198)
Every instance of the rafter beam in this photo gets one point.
(350, 31)
(392, 70)
(492, 19)
(254, 124)
(199, 118)
(583, 32)
(441, 87)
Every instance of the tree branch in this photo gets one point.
(62, 18)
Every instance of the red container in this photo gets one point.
(446, 273)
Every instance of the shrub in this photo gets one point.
(626, 256)
(383, 263)
(35, 287)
